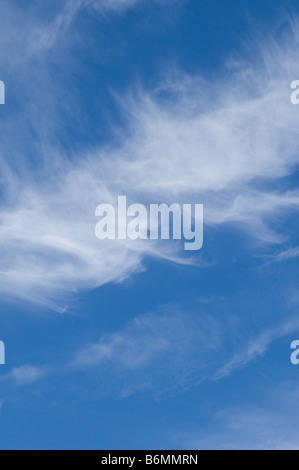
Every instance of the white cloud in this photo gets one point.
(113, 4)
(227, 144)
(257, 348)
(156, 352)
(26, 375)
(290, 253)
(48, 37)
(179, 349)
(269, 427)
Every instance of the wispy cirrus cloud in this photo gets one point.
(269, 427)
(48, 37)
(24, 375)
(257, 348)
(228, 144)
(285, 255)
(155, 352)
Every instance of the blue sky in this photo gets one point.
(143, 345)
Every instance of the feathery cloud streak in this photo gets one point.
(188, 140)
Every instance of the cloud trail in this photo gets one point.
(230, 144)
